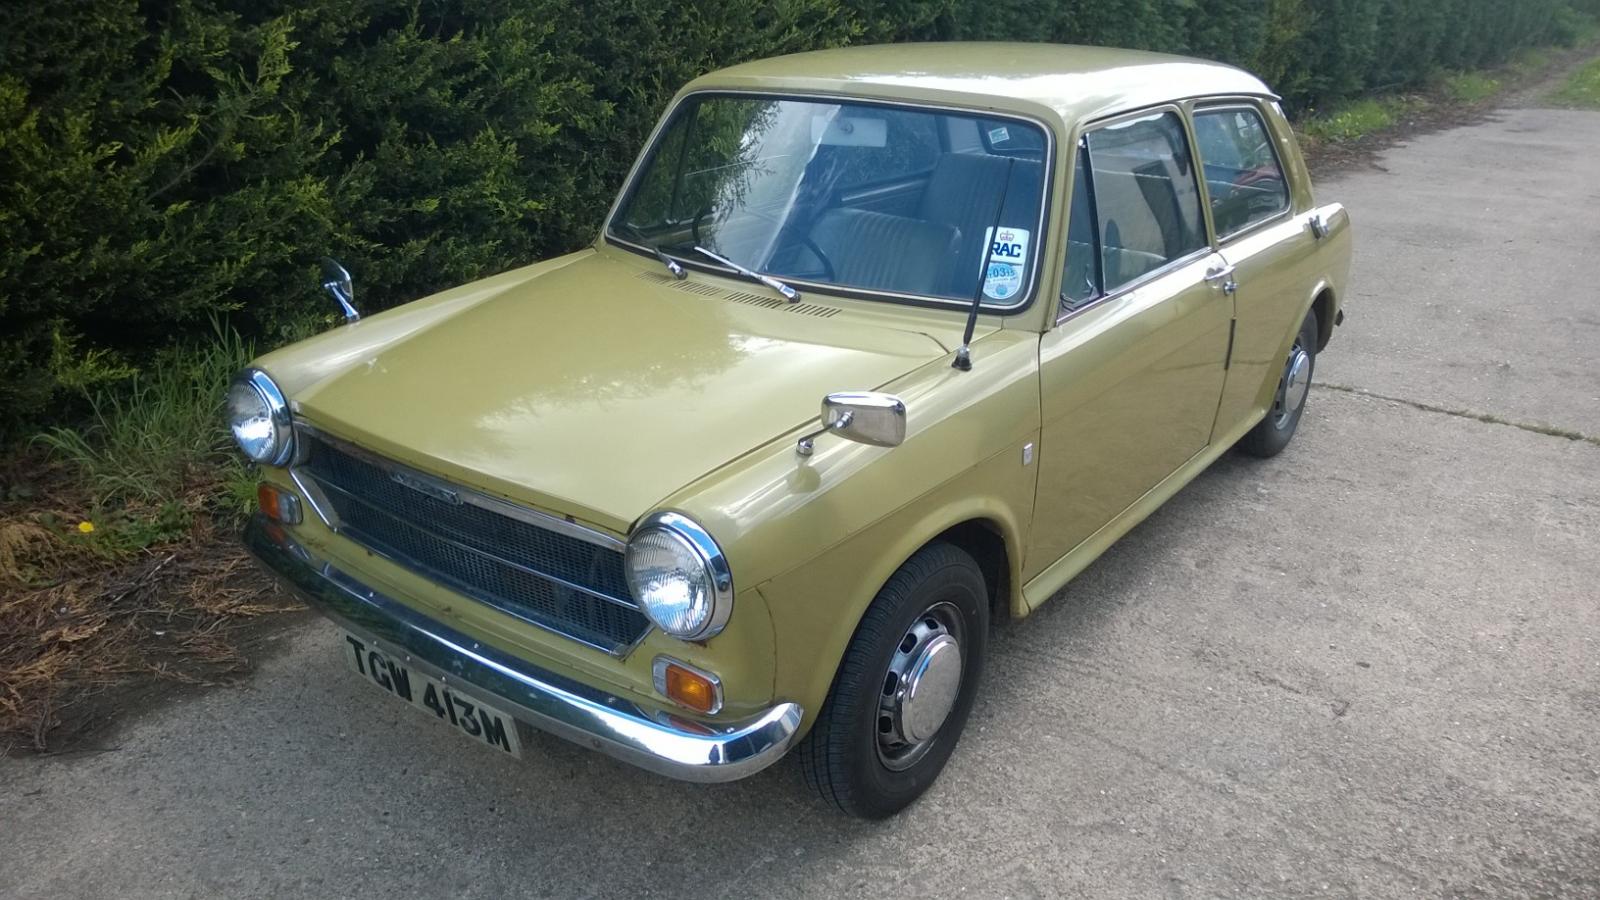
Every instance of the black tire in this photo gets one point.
(842, 757)
(1277, 428)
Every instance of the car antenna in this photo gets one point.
(963, 360)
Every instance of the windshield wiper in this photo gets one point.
(671, 264)
(789, 293)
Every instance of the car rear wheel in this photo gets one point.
(1274, 432)
(904, 688)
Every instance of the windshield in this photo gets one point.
(861, 196)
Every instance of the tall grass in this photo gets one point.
(1582, 87)
(120, 563)
(1358, 119)
(1529, 60)
(157, 441)
(1470, 87)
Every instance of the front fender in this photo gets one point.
(815, 607)
(820, 535)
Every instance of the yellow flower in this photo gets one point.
(86, 527)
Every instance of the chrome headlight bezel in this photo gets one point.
(697, 544)
(275, 409)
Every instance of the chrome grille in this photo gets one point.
(561, 582)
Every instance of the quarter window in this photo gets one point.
(1082, 280)
(1242, 173)
(1146, 198)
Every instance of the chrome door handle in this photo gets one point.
(1224, 274)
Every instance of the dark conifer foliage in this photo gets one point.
(166, 160)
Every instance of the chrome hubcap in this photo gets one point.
(920, 687)
(1293, 387)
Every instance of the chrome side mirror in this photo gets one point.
(866, 417)
(336, 281)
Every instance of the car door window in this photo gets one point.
(1243, 176)
(1146, 197)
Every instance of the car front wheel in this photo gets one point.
(904, 687)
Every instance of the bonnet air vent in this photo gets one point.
(706, 290)
(810, 309)
(757, 300)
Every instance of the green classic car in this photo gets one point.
(1035, 290)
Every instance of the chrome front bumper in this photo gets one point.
(656, 740)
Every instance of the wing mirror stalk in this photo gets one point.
(336, 281)
(866, 417)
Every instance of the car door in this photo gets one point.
(1260, 235)
(1132, 372)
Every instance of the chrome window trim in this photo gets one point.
(711, 556)
(1203, 106)
(842, 291)
(1142, 281)
(1173, 106)
(1080, 155)
(1278, 218)
(468, 495)
(658, 675)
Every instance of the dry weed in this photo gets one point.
(75, 624)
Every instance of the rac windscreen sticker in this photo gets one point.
(1008, 260)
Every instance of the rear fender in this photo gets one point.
(1331, 268)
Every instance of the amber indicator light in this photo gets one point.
(690, 688)
(278, 504)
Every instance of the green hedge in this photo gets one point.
(161, 162)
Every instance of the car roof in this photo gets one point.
(1075, 83)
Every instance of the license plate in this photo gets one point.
(469, 715)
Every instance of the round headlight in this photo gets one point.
(258, 416)
(679, 577)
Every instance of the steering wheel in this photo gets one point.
(828, 272)
(694, 224)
